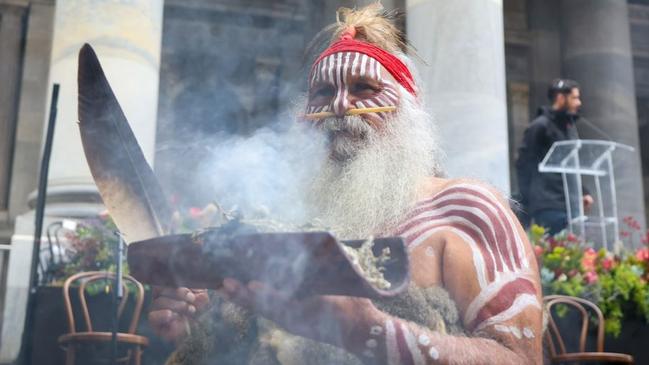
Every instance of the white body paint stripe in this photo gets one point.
(512, 226)
(450, 220)
(522, 301)
(411, 342)
(391, 343)
(459, 195)
(490, 291)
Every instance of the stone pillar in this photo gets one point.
(126, 36)
(596, 49)
(545, 49)
(463, 82)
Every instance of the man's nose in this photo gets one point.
(341, 103)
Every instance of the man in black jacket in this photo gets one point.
(543, 197)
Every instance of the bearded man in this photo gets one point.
(475, 295)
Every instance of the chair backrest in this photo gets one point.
(85, 278)
(582, 306)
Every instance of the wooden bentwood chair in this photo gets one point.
(558, 353)
(73, 340)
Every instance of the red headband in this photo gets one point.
(395, 67)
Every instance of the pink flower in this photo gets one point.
(625, 233)
(608, 263)
(642, 254)
(195, 212)
(571, 237)
(591, 277)
(588, 260)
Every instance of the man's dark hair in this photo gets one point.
(561, 86)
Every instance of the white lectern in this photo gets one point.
(590, 159)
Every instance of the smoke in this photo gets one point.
(263, 175)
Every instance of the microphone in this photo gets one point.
(597, 129)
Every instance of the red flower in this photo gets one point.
(591, 277)
(608, 263)
(588, 260)
(642, 254)
(625, 233)
(572, 237)
(538, 251)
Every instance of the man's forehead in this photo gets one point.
(336, 67)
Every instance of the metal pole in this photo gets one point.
(118, 294)
(25, 355)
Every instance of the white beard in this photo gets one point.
(373, 177)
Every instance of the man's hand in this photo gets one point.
(588, 202)
(321, 318)
(173, 309)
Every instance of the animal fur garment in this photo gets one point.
(228, 335)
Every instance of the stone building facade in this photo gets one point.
(224, 67)
(248, 56)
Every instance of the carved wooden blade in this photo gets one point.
(126, 182)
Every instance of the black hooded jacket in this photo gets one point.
(543, 190)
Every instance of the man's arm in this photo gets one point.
(487, 266)
(489, 270)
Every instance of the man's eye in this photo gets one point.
(363, 87)
(326, 92)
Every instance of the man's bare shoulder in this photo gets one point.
(437, 188)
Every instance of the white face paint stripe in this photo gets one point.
(371, 67)
(389, 91)
(377, 65)
(391, 343)
(478, 258)
(363, 64)
(522, 301)
(330, 68)
(390, 99)
(354, 60)
(411, 342)
(323, 69)
(314, 75)
(345, 67)
(372, 104)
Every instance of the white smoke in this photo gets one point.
(263, 174)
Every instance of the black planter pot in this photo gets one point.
(51, 321)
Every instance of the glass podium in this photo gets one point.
(591, 161)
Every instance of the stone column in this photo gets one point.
(596, 48)
(545, 49)
(463, 82)
(126, 36)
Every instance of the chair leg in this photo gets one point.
(137, 355)
(69, 355)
